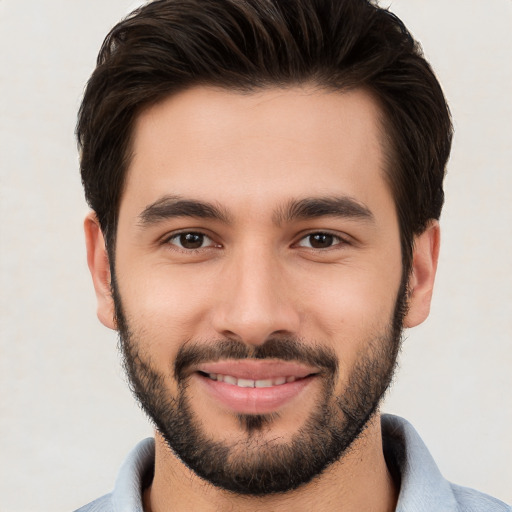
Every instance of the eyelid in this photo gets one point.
(169, 237)
(342, 239)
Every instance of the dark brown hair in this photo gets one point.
(168, 45)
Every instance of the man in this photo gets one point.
(266, 183)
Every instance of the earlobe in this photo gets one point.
(97, 259)
(423, 273)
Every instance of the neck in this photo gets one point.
(359, 481)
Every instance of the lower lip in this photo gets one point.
(254, 400)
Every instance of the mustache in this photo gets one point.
(286, 349)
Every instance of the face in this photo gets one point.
(258, 279)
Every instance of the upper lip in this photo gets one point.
(255, 369)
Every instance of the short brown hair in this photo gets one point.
(169, 45)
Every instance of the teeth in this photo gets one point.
(245, 383)
(263, 383)
(230, 380)
(249, 383)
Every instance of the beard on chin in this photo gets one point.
(256, 464)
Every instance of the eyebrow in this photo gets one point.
(313, 207)
(169, 207)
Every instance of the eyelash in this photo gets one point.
(176, 236)
(337, 240)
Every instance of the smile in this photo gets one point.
(250, 383)
(254, 387)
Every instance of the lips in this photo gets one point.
(254, 386)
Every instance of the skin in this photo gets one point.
(256, 274)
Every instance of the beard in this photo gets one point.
(260, 464)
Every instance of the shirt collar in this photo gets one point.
(127, 493)
(423, 488)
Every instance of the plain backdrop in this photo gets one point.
(67, 419)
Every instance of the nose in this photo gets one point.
(255, 301)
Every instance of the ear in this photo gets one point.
(97, 259)
(423, 273)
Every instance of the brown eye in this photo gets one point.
(320, 241)
(191, 240)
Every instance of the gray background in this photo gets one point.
(67, 419)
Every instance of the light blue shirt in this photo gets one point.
(422, 487)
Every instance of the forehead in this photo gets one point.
(271, 145)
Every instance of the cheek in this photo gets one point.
(352, 309)
(163, 306)
(351, 297)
